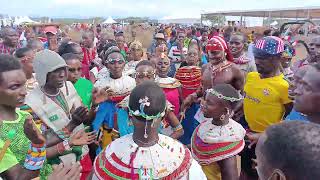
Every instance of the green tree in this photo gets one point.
(214, 19)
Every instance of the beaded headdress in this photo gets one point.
(110, 50)
(221, 96)
(143, 103)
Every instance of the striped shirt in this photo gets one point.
(175, 54)
(6, 49)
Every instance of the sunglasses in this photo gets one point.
(113, 61)
(72, 70)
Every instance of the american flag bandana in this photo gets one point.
(271, 45)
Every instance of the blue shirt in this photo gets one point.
(204, 59)
(189, 124)
(296, 116)
(46, 45)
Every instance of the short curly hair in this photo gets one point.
(8, 63)
(294, 148)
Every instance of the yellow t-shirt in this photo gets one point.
(212, 171)
(250, 38)
(264, 100)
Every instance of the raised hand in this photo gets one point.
(182, 115)
(82, 138)
(101, 95)
(253, 138)
(192, 98)
(32, 132)
(62, 172)
(79, 115)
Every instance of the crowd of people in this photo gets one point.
(198, 104)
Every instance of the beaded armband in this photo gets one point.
(177, 128)
(145, 102)
(35, 157)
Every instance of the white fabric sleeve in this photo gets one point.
(195, 171)
(94, 71)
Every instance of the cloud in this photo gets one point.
(151, 8)
(82, 2)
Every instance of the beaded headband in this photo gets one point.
(143, 103)
(220, 96)
(110, 50)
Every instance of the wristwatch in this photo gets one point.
(66, 145)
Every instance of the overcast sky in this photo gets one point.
(150, 8)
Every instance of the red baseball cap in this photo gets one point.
(50, 29)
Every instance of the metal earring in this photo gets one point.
(222, 117)
(130, 123)
(145, 131)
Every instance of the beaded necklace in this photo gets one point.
(218, 69)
